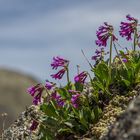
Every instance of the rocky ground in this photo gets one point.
(127, 125)
(19, 130)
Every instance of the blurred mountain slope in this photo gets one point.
(13, 96)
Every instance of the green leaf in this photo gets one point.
(79, 86)
(97, 113)
(64, 130)
(137, 69)
(92, 116)
(64, 93)
(69, 124)
(49, 110)
(100, 85)
(126, 82)
(101, 71)
(82, 119)
(45, 134)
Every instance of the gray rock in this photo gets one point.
(127, 126)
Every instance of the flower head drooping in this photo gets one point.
(59, 62)
(59, 74)
(33, 89)
(128, 28)
(75, 100)
(81, 77)
(34, 125)
(36, 92)
(103, 34)
(49, 85)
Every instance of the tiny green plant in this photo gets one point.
(69, 110)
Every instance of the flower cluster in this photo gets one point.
(75, 100)
(36, 92)
(128, 28)
(80, 78)
(49, 85)
(59, 62)
(55, 96)
(98, 54)
(103, 34)
(59, 74)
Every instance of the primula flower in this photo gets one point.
(98, 54)
(73, 91)
(59, 74)
(81, 77)
(61, 102)
(36, 92)
(125, 60)
(59, 62)
(33, 89)
(128, 28)
(75, 100)
(103, 34)
(55, 96)
(49, 85)
(34, 125)
(58, 99)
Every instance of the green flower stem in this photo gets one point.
(91, 80)
(110, 57)
(135, 39)
(75, 112)
(68, 79)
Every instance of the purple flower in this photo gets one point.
(58, 99)
(103, 34)
(55, 95)
(130, 18)
(124, 60)
(81, 77)
(59, 74)
(37, 98)
(73, 91)
(75, 100)
(36, 92)
(95, 57)
(59, 62)
(49, 85)
(33, 89)
(61, 102)
(34, 125)
(98, 54)
(128, 28)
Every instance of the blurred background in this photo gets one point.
(33, 31)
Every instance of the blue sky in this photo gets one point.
(33, 31)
